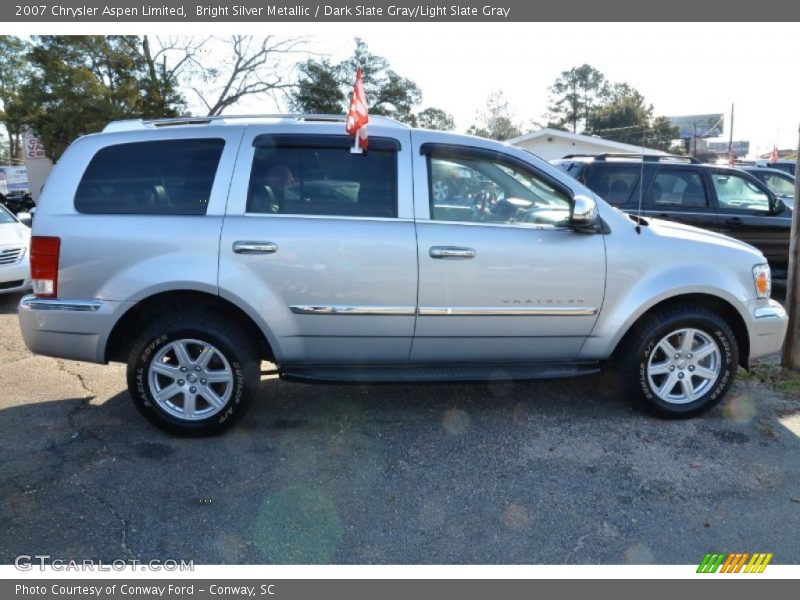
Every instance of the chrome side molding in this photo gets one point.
(34, 303)
(507, 311)
(405, 311)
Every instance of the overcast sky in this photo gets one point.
(681, 68)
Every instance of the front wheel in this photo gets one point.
(193, 374)
(684, 361)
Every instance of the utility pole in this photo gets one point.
(731, 157)
(791, 347)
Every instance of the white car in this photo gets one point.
(15, 241)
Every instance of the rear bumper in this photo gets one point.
(73, 329)
(767, 328)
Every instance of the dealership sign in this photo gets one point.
(13, 179)
(701, 126)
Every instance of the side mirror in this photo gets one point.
(25, 218)
(584, 213)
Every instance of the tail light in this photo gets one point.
(44, 265)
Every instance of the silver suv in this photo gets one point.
(194, 249)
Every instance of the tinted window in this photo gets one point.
(779, 184)
(322, 177)
(737, 193)
(615, 184)
(682, 189)
(168, 177)
(492, 191)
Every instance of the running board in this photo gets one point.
(434, 373)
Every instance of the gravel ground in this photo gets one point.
(542, 472)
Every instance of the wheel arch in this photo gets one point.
(144, 311)
(709, 301)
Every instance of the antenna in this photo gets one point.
(641, 187)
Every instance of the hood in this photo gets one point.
(14, 234)
(681, 232)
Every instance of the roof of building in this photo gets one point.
(588, 139)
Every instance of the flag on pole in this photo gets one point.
(358, 116)
(773, 156)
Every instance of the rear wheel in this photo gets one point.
(684, 361)
(193, 374)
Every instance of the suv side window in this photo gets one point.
(318, 175)
(677, 188)
(614, 183)
(165, 177)
(779, 184)
(737, 193)
(483, 190)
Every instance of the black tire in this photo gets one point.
(243, 367)
(641, 344)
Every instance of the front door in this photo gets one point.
(503, 278)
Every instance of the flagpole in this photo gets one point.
(356, 149)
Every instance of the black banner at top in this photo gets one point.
(265, 11)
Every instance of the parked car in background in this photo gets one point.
(195, 248)
(14, 245)
(681, 189)
(17, 202)
(779, 182)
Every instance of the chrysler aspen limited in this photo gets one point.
(193, 249)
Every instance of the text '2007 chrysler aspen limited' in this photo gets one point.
(193, 249)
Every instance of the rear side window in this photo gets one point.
(165, 177)
(319, 175)
(675, 188)
(615, 184)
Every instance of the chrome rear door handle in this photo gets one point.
(242, 247)
(455, 252)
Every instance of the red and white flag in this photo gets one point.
(358, 116)
(773, 156)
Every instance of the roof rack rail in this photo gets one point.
(632, 155)
(134, 124)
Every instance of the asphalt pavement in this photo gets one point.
(542, 472)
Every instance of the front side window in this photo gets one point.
(165, 177)
(5, 216)
(677, 189)
(615, 184)
(737, 193)
(297, 175)
(482, 190)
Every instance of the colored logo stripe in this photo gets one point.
(734, 562)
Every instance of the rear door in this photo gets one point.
(682, 195)
(320, 244)
(502, 276)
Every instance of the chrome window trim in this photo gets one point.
(507, 311)
(34, 303)
(536, 226)
(338, 309)
(336, 217)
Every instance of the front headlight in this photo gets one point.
(763, 281)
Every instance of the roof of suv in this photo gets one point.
(621, 156)
(142, 124)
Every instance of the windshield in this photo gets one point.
(5, 216)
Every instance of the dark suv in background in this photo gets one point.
(682, 189)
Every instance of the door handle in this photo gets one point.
(452, 252)
(733, 221)
(662, 216)
(242, 247)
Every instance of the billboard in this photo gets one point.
(698, 125)
(740, 148)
